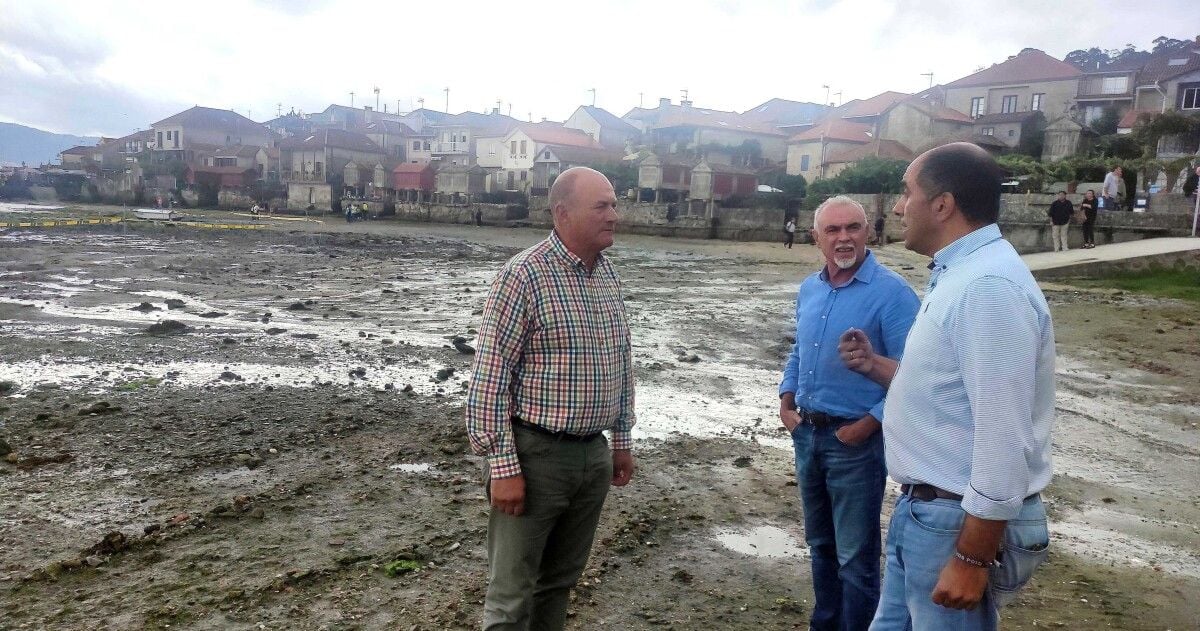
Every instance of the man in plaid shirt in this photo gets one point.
(552, 371)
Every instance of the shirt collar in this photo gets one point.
(964, 246)
(866, 272)
(559, 247)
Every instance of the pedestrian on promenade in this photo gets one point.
(552, 371)
(1088, 206)
(880, 224)
(1060, 213)
(789, 233)
(969, 410)
(1111, 188)
(833, 413)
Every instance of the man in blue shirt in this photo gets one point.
(969, 410)
(834, 413)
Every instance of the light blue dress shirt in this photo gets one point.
(878, 301)
(971, 407)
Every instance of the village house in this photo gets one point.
(714, 135)
(1011, 128)
(603, 127)
(455, 138)
(1028, 81)
(1107, 86)
(314, 166)
(554, 159)
(809, 151)
(391, 136)
(789, 117)
(195, 133)
(521, 147)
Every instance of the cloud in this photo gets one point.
(83, 66)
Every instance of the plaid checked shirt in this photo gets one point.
(553, 350)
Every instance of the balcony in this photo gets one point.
(451, 147)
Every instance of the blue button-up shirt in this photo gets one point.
(971, 407)
(877, 301)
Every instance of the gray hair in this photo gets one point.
(838, 200)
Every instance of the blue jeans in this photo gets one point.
(842, 490)
(921, 540)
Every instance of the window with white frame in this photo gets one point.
(978, 107)
(1035, 103)
(1008, 104)
(989, 131)
(1190, 99)
(1114, 85)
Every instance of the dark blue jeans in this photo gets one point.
(842, 490)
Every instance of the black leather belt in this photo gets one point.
(821, 419)
(571, 438)
(927, 492)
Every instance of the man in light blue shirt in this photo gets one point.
(834, 413)
(969, 410)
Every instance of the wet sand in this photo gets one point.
(308, 426)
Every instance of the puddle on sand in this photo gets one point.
(411, 467)
(767, 542)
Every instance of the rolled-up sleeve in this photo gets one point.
(996, 336)
(501, 340)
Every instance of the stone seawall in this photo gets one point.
(1022, 220)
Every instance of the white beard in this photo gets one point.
(844, 263)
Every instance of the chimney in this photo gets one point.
(663, 102)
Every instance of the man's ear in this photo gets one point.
(942, 206)
(815, 236)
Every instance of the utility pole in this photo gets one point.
(376, 98)
(397, 106)
(593, 91)
(640, 101)
(684, 92)
(930, 75)
(447, 91)
(421, 103)
(279, 109)
(826, 86)
(839, 95)
(351, 99)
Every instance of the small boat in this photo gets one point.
(160, 214)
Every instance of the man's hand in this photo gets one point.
(855, 350)
(623, 467)
(787, 412)
(508, 495)
(857, 432)
(960, 585)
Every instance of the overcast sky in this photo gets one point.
(111, 67)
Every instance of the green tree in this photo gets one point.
(869, 175)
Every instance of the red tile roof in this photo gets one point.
(1130, 119)
(874, 106)
(556, 134)
(409, 167)
(340, 138)
(889, 149)
(836, 129)
(1029, 65)
(939, 112)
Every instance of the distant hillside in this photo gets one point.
(19, 143)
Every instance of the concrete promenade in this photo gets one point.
(1124, 256)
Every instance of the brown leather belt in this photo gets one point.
(927, 492)
(821, 419)
(571, 438)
